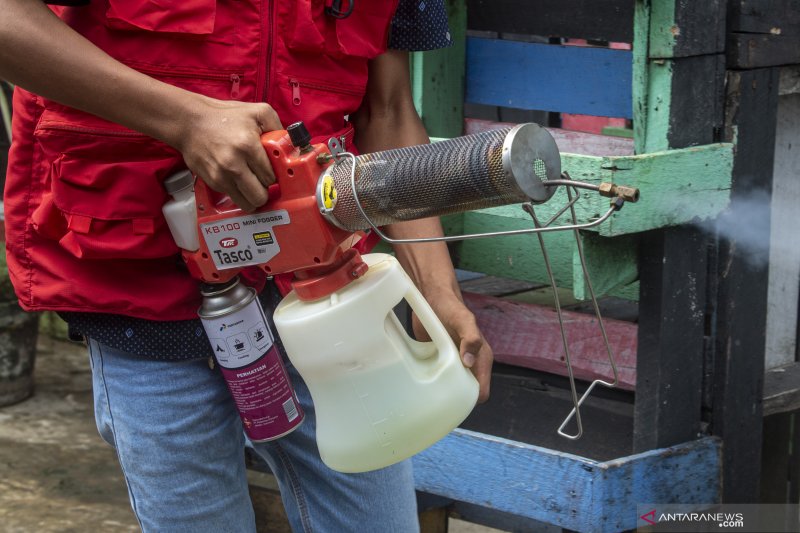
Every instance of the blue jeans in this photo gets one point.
(180, 443)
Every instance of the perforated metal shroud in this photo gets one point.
(453, 176)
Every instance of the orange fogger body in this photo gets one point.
(286, 235)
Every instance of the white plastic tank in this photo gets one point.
(180, 210)
(380, 396)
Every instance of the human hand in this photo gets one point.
(221, 144)
(460, 323)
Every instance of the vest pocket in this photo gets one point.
(364, 33)
(307, 26)
(104, 193)
(190, 17)
(106, 210)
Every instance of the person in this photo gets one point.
(114, 96)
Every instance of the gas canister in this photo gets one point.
(245, 351)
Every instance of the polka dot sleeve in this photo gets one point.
(420, 25)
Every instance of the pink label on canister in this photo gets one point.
(245, 350)
(264, 396)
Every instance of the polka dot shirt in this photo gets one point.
(167, 340)
(418, 25)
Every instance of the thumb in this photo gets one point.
(468, 358)
(267, 118)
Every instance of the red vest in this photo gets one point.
(83, 196)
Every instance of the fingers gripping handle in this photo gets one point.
(278, 147)
(445, 358)
(215, 207)
(292, 199)
(438, 334)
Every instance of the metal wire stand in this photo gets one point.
(539, 229)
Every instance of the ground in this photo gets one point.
(56, 473)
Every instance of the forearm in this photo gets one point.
(387, 119)
(382, 125)
(43, 55)
(219, 140)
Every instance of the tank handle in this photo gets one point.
(436, 330)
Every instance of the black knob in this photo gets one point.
(299, 135)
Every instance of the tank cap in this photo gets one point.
(299, 135)
(179, 181)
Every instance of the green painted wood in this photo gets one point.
(627, 292)
(612, 264)
(641, 43)
(663, 31)
(652, 78)
(653, 20)
(618, 132)
(658, 107)
(438, 79)
(515, 257)
(453, 224)
(677, 187)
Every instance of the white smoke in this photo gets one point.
(746, 224)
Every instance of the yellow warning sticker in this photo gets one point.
(263, 238)
(328, 192)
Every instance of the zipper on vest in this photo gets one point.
(265, 55)
(295, 91)
(296, 85)
(234, 79)
(60, 126)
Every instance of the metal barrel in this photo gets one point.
(488, 169)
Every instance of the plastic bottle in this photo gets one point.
(379, 395)
(180, 211)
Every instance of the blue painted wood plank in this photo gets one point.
(567, 79)
(509, 476)
(566, 490)
(689, 474)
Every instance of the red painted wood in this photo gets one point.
(571, 142)
(584, 42)
(589, 124)
(528, 335)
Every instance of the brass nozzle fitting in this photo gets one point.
(612, 190)
(324, 159)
